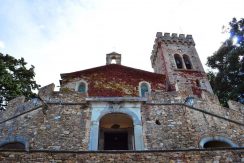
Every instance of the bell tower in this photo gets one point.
(176, 57)
(113, 57)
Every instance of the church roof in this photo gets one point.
(111, 67)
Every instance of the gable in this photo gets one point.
(115, 80)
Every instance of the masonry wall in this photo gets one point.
(170, 124)
(62, 124)
(218, 156)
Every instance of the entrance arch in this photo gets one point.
(127, 112)
(116, 132)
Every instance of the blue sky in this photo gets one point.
(59, 36)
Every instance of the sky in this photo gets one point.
(61, 36)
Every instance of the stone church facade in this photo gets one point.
(115, 113)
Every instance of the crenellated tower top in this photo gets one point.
(175, 38)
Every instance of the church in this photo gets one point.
(115, 113)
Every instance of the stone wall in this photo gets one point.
(171, 124)
(217, 156)
(61, 127)
(56, 121)
(62, 121)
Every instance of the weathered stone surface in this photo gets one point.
(121, 157)
(47, 90)
(236, 106)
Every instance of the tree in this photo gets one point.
(15, 78)
(228, 81)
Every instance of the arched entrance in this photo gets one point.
(116, 132)
(124, 117)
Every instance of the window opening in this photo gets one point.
(198, 83)
(178, 61)
(187, 62)
(144, 89)
(82, 87)
(13, 146)
(216, 144)
(113, 61)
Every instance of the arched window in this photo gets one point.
(178, 61)
(13, 146)
(113, 60)
(187, 61)
(216, 142)
(81, 86)
(144, 88)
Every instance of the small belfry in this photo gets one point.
(113, 58)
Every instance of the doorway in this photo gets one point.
(116, 132)
(115, 141)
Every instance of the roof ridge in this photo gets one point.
(63, 75)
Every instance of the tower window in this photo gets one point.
(198, 83)
(144, 88)
(187, 61)
(178, 61)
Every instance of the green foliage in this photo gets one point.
(228, 82)
(15, 78)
